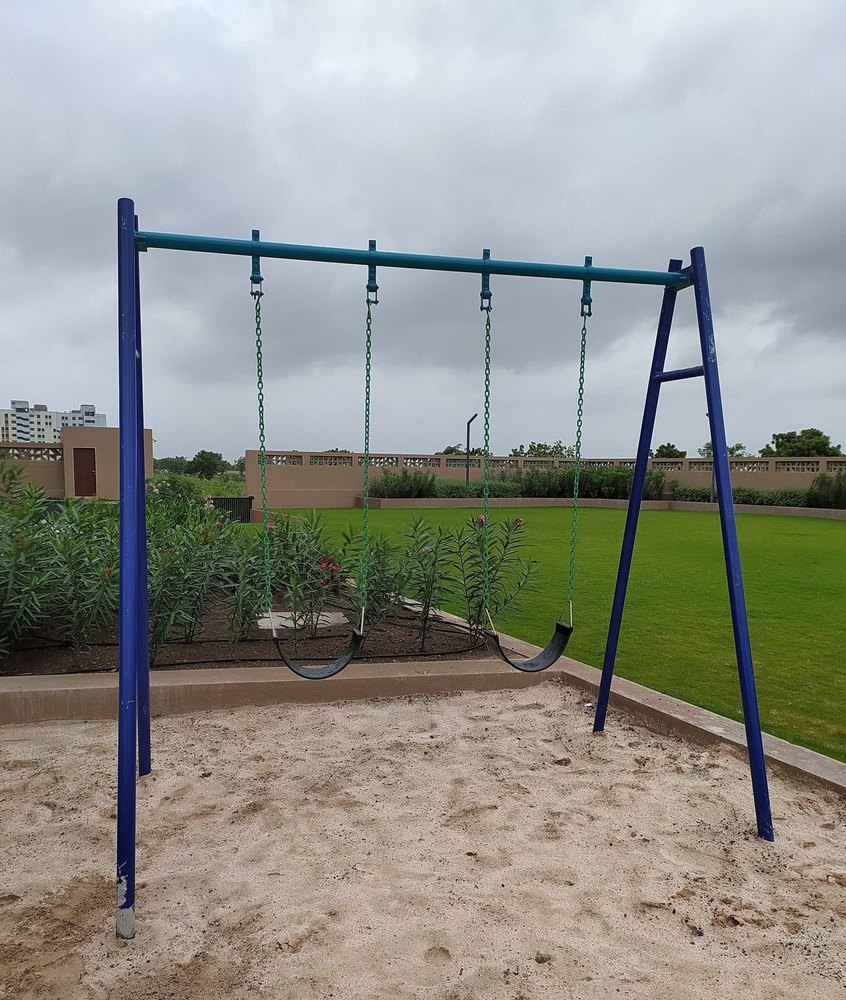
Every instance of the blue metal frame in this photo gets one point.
(740, 626)
(134, 706)
(133, 653)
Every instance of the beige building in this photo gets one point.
(84, 463)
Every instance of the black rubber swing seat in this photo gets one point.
(545, 658)
(327, 669)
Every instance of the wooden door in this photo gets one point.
(85, 472)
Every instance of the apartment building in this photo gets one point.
(39, 425)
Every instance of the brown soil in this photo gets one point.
(397, 641)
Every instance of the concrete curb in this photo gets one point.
(94, 696)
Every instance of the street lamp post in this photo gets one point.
(467, 452)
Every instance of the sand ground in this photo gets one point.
(478, 846)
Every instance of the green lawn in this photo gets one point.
(676, 635)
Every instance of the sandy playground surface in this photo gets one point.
(465, 847)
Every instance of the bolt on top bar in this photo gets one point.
(422, 262)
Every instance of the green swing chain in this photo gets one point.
(486, 474)
(574, 527)
(364, 567)
(365, 543)
(486, 484)
(266, 562)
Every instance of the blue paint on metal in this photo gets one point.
(142, 636)
(731, 549)
(708, 369)
(424, 262)
(696, 371)
(638, 479)
(130, 595)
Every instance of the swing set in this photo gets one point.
(134, 756)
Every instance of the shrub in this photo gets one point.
(226, 484)
(743, 495)
(654, 484)
(595, 482)
(188, 558)
(545, 482)
(384, 587)
(507, 573)
(828, 491)
(244, 584)
(169, 487)
(785, 498)
(452, 488)
(26, 565)
(424, 569)
(405, 484)
(308, 570)
(747, 495)
(691, 494)
(498, 488)
(11, 482)
(83, 536)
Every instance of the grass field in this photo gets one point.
(676, 635)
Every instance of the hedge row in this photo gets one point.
(825, 492)
(610, 483)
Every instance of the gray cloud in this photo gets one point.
(544, 131)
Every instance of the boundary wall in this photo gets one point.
(335, 479)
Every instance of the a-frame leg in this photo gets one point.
(708, 369)
(731, 550)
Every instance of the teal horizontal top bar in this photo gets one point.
(422, 262)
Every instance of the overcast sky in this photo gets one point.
(543, 129)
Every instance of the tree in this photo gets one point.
(734, 450)
(810, 441)
(177, 465)
(540, 449)
(459, 449)
(240, 465)
(668, 451)
(207, 465)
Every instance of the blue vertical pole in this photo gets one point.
(143, 636)
(130, 551)
(737, 601)
(639, 478)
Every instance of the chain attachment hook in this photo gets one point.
(372, 287)
(255, 277)
(486, 295)
(587, 301)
